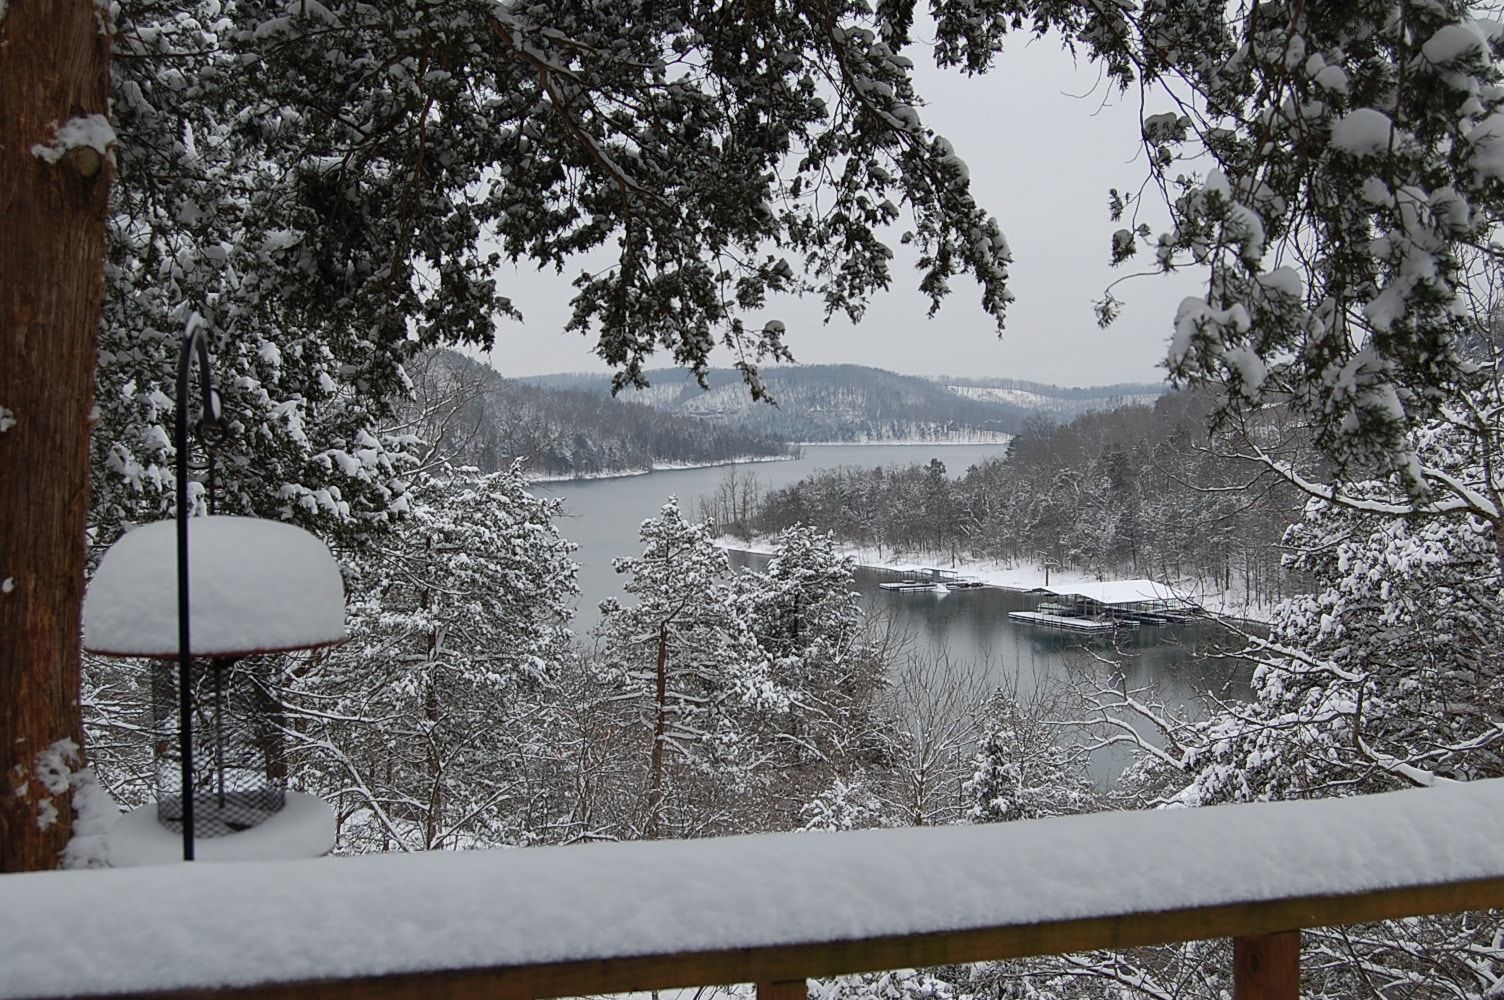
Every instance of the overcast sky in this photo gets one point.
(1043, 150)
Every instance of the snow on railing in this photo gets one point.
(773, 909)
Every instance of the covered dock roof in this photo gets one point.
(1119, 592)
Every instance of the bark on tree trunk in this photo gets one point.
(660, 730)
(54, 66)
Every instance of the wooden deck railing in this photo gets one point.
(774, 910)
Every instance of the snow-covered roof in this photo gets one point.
(1118, 591)
(256, 586)
(237, 924)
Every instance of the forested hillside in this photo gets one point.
(473, 416)
(814, 403)
(1135, 491)
(1053, 401)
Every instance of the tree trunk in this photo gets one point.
(660, 731)
(54, 65)
(433, 824)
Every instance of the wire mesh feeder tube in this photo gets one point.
(238, 767)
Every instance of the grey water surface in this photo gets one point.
(969, 630)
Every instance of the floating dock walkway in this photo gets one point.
(1070, 623)
(930, 578)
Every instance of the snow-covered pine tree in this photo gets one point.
(1355, 161)
(423, 724)
(309, 323)
(1388, 674)
(803, 608)
(685, 655)
(807, 618)
(1021, 771)
(847, 804)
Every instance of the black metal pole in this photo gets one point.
(194, 342)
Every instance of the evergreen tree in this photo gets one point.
(1021, 772)
(424, 723)
(686, 656)
(1388, 673)
(807, 619)
(845, 805)
(802, 608)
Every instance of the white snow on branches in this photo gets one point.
(1363, 132)
(1455, 41)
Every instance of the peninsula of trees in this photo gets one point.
(472, 416)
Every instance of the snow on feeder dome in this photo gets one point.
(215, 595)
(257, 587)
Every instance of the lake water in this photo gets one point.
(602, 516)
(970, 628)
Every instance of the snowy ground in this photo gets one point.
(1011, 576)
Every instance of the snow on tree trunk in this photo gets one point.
(55, 174)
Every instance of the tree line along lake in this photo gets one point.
(965, 629)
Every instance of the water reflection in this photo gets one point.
(969, 629)
(972, 626)
(1182, 667)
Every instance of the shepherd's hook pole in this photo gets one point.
(195, 342)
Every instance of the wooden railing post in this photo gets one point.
(1266, 967)
(787, 989)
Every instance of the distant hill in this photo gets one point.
(1053, 401)
(855, 403)
(564, 433)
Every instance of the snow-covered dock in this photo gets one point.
(1134, 600)
(908, 585)
(1067, 622)
(569, 921)
(928, 578)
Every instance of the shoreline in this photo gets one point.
(1000, 441)
(657, 467)
(1018, 579)
(758, 459)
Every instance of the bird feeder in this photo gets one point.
(257, 587)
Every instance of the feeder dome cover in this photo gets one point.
(255, 586)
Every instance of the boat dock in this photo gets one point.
(930, 578)
(1106, 605)
(1070, 623)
